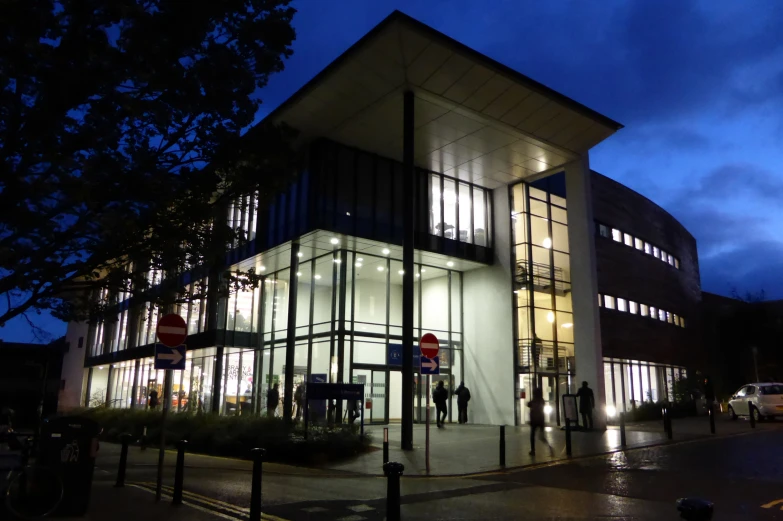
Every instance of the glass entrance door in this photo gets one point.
(376, 393)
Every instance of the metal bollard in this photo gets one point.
(750, 415)
(386, 445)
(712, 418)
(663, 415)
(179, 473)
(143, 440)
(622, 430)
(255, 487)
(668, 423)
(502, 445)
(568, 436)
(393, 471)
(125, 440)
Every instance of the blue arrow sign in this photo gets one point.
(430, 365)
(170, 357)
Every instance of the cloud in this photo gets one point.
(749, 266)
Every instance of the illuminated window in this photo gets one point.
(600, 300)
(622, 305)
(682, 322)
(638, 243)
(653, 312)
(633, 307)
(671, 260)
(628, 239)
(661, 315)
(656, 252)
(647, 248)
(609, 302)
(669, 318)
(617, 235)
(676, 263)
(664, 256)
(603, 230)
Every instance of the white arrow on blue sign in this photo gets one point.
(170, 357)
(430, 365)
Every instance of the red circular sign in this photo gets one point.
(429, 346)
(172, 330)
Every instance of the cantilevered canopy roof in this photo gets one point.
(475, 118)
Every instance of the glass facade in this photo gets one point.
(542, 291)
(629, 383)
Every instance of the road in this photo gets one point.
(742, 474)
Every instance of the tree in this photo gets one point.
(110, 112)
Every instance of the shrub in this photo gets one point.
(234, 436)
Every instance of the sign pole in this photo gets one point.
(427, 428)
(164, 415)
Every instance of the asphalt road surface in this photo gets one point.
(741, 474)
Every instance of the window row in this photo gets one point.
(631, 383)
(242, 216)
(644, 310)
(459, 211)
(635, 242)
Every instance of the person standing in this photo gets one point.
(299, 399)
(463, 397)
(440, 395)
(586, 405)
(153, 402)
(537, 421)
(272, 400)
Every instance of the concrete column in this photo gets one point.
(290, 348)
(584, 285)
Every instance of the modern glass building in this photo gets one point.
(444, 193)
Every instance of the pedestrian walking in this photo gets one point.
(586, 405)
(440, 395)
(537, 421)
(272, 400)
(463, 397)
(153, 402)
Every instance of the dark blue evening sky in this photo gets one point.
(698, 86)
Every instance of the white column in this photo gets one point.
(584, 285)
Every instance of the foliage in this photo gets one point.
(109, 112)
(235, 435)
(652, 410)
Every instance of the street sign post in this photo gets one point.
(428, 365)
(172, 330)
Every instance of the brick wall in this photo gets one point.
(626, 272)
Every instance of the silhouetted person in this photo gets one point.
(440, 395)
(463, 397)
(153, 399)
(586, 405)
(299, 400)
(536, 406)
(272, 400)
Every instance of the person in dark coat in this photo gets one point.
(440, 396)
(272, 400)
(463, 397)
(153, 403)
(586, 405)
(536, 406)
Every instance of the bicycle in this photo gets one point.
(29, 491)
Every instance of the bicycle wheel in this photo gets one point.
(33, 492)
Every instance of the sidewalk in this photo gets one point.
(456, 449)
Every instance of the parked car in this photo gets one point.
(763, 400)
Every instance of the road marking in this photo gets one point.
(773, 503)
(191, 505)
(214, 503)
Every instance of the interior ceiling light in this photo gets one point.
(335, 240)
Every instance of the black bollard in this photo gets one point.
(622, 430)
(385, 445)
(143, 440)
(568, 436)
(750, 415)
(663, 415)
(179, 473)
(125, 440)
(712, 418)
(668, 422)
(255, 486)
(393, 471)
(502, 445)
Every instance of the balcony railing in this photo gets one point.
(539, 356)
(542, 277)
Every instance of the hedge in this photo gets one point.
(235, 436)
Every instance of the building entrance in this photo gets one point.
(376, 393)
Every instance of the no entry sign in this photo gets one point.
(172, 330)
(429, 346)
